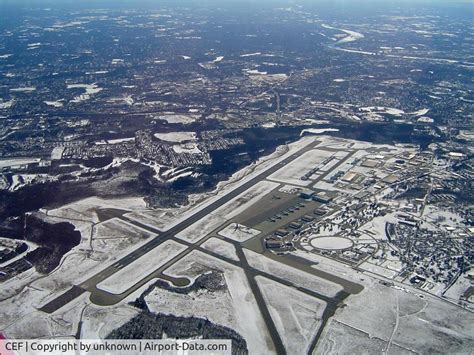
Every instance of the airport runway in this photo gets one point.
(105, 298)
(90, 284)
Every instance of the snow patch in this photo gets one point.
(128, 276)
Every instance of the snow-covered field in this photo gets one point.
(57, 153)
(328, 265)
(376, 226)
(37, 324)
(263, 76)
(86, 209)
(420, 112)
(111, 240)
(18, 181)
(340, 338)
(5, 163)
(177, 137)
(58, 103)
(121, 140)
(213, 306)
(19, 307)
(23, 89)
(200, 229)
(6, 104)
(162, 219)
(221, 247)
(98, 322)
(355, 51)
(440, 216)
(297, 316)
(400, 315)
(318, 130)
(88, 88)
(379, 270)
(250, 54)
(461, 285)
(377, 109)
(177, 118)
(118, 229)
(295, 276)
(240, 311)
(190, 148)
(331, 243)
(128, 276)
(114, 240)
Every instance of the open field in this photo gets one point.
(331, 243)
(295, 276)
(131, 274)
(199, 230)
(221, 247)
(297, 316)
(407, 320)
(248, 320)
